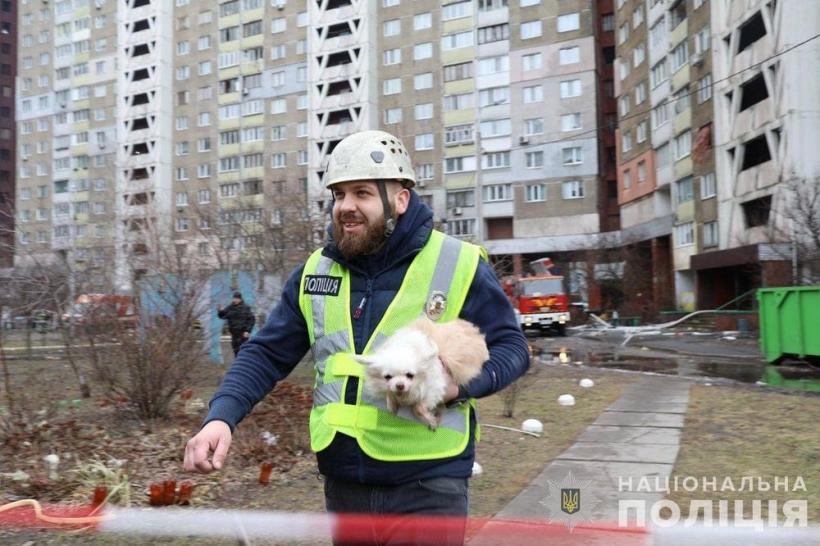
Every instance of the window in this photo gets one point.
(534, 93)
(457, 40)
(623, 33)
(571, 122)
(682, 99)
(640, 93)
(424, 141)
(496, 160)
(278, 106)
(279, 160)
(534, 126)
(390, 56)
(531, 61)
(458, 102)
(459, 71)
(530, 29)
(681, 145)
(497, 192)
(534, 193)
(680, 55)
(626, 141)
(568, 22)
(493, 33)
(570, 88)
(573, 189)
(685, 234)
(494, 96)
(708, 186)
(572, 156)
(684, 190)
(657, 34)
(608, 22)
(277, 132)
(640, 132)
(459, 164)
(710, 234)
(461, 227)
(638, 55)
(757, 211)
(751, 31)
(422, 81)
(422, 21)
(460, 198)
(391, 27)
(677, 14)
(660, 115)
(626, 176)
(203, 170)
(390, 3)
(499, 127)
(280, 24)
(569, 55)
(659, 73)
(493, 65)
(182, 47)
(456, 10)
(637, 17)
(422, 51)
(425, 171)
(392, 115)
(663, 156)
(534, 160)
(703, 41)
(705, 89)
(391, 86)
(423, 111)
(623, 68)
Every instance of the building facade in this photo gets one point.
(8, 133)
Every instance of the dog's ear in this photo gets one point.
(365, 360)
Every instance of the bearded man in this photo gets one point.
(382, 268)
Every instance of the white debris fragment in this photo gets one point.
(532, 425)
(52, 462)
(477, 470)
(566, 400)
(586, 383)
(270, 439)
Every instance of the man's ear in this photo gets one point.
(402, 201)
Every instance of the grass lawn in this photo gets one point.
(736, 432)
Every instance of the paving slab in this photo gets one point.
(638, 419)
(633, 435)
(615, 452)
(644, 407)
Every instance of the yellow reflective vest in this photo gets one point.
(436, 283)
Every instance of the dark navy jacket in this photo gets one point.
(271, 354)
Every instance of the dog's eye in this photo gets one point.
(409, 375)
(388, 377)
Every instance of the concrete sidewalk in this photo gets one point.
(636, 437)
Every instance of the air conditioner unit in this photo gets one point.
(456, 211)
(246, 92)
(697, 59)
(422, 183)
(523, 140)
(102, 146)
(280, 4)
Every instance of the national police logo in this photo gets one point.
(436, 304)
(563, 502)
(570, 500)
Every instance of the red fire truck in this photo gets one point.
(540, 301)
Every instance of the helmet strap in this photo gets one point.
(389, 221)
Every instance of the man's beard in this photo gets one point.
(351, 245)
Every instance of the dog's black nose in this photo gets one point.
(400, 387)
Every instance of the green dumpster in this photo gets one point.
(790, 322)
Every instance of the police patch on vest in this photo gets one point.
(436, 304)
(322, 285)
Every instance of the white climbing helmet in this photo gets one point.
(370, 155)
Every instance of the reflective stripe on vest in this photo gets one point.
(446, 266)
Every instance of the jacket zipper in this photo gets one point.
(357, 313)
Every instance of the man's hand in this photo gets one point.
(246, 335)
(214, 437)
(219, 307)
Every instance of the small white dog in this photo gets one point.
(411, 367)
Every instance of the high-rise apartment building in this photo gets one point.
(765, 62)
(8, 69)
(199, 128)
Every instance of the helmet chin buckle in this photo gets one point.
(389, 221)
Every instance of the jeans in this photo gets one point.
(397, 515)
(236, 342)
